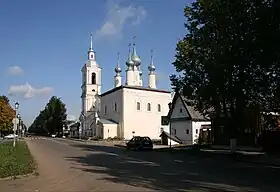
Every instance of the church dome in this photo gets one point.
(129, 63)
(118, 69)
(136, 60)
(151, 68)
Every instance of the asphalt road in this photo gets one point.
(76, 166)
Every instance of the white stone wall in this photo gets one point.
(107, 108)
(143, 122)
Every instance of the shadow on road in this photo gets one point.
(174, 172)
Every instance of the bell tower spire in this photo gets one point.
(90, 48)
(91, 54)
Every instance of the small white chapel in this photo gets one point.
(128, 109)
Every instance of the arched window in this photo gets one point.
(149, 106)
(91, 56)
(187, 131)
(93, 78)
(115, 107)
(159, 108)
(174, 131)
(138, 106)
(181, 110)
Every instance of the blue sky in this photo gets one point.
(44, 45)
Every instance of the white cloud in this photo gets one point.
(71, 118)
(117, 16)
(28, 91)
(15, 70)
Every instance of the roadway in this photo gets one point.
(66, 165)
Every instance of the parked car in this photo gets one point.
(140, 143)
(10, 136)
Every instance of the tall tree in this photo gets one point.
(51, 119)
(226, 61)
(7, 113)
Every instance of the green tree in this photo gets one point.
(51, 119)
(229, 59)
(7, 113)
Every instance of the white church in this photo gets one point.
(128, 109)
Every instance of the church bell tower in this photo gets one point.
(91, 82)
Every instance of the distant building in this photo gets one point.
(128, 109)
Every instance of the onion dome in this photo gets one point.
(129, 63)
(135, 58)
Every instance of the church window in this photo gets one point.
(159, 108)
(105, 109)
(115, 107)
(138, 106)
(93, 78)
(187, 131)
(91, 56)
(174, 131)
(181, 110)
(149, 106)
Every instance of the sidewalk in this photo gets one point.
(101, 142)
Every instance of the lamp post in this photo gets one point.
(18, 132)
(16, 123)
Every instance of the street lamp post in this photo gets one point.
(16, 123)
(18, 132)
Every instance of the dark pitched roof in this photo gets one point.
(172, 137)
(133, 87)
(189, 106)
(107, 121)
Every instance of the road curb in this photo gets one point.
(14, 177)
(118, 145)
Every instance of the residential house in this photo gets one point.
(185, 122)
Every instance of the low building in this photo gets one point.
(185, 122)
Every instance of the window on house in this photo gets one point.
(138, 106)
(159, 108)
(174, 131)
(105, 109)
(196, 131)
(181, 110)
(115, 107)
(149, 106)
(187, 131)
(93, 78)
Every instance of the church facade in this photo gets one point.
(129, 108)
